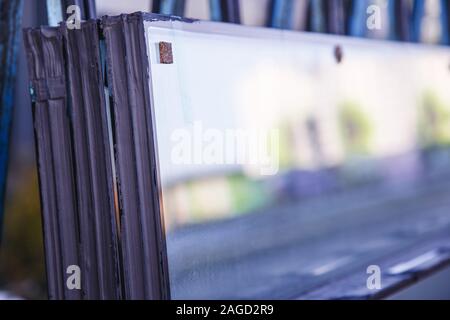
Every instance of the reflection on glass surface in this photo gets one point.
(352, 141)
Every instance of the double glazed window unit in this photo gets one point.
(239, 162)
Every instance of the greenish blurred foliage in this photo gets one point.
(22, 269)
(247, 194)
(356, 129)
(286, 140)
(434, 122)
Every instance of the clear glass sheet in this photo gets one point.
(287, 160)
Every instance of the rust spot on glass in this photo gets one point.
(165, 53)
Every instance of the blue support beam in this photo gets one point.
(10, 20)
(169, 7)
(317, 16)
(225, 11)
(403, 20)
(390, 19)
(336, 17)
(280, 14)
(419, 12)
(328, 16)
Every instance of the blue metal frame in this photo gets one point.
(402, 19)
(336, 17)
(418, 13)
(11, 12)
(170, 7)
(358, 19)
(281, 14)
(404, 24)
(394, 12)
(225, 11)
(318, 20)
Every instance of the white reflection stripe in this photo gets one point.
(411, 264)
(333, 265)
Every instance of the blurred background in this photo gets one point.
(22, 270)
